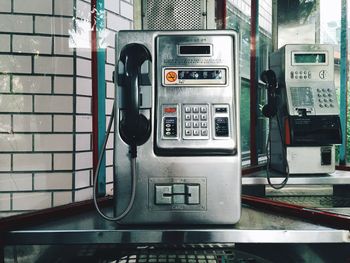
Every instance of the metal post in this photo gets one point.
(254, 79)
(274, 25)
(343, 81)
(98, 89)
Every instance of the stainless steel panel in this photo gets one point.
(218, 166)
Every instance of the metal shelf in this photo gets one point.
(336, 178)
(254, 227)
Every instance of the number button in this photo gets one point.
(203, 109)
(188, 132)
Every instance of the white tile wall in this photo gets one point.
(4, 83)
(112, 6)
(52, 181)
(83, 10)
(5, 5)
(62, 198)
(31, 84)
(5, 202)
(15, 64)
(16, 182)
(53, 98)
(126, 10)
(109, 69)
(32, 123)
(53, 25)
(5, 162)
(84, 86)
(110, 55)
(82, 142)
(110, 142)
(83, 123)
(32, 162)
(84, 194)
(5, 123)
(82, 179)
(109, 157)
(53, 142)
(109, 106)
(109, 174)
(5, 44)
(55, 104)
(63, 123)
(83, 160)
(31, 201)
(109, 189)
(62, 161)
(107, 122)
(83, 52)
(32, 6)
(61, 46)
(83, 105)
(15, 103)
(63, 7)
(16, 23)
(110, 38)
(63, 85)
(83, 67)
(110, 90)
(32, 44)
(53, 65)
(116, 22)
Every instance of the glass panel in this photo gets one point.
(46, 99)
(297, 22)
(239, 19)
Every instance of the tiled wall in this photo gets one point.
(45, 102)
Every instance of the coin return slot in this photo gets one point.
(188, 194)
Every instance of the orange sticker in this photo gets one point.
(171, 76)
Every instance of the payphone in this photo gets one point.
(177, 138)
(303, 109)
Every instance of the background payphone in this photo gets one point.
(177, 148)
(303, 108)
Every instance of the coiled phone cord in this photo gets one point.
(133, 177)
(268, 153)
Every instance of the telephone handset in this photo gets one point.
(269, 77)
(135, 128)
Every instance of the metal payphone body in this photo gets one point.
(189, 169)
(307, 124)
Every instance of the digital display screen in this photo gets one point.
(310, 58)
(200, 74)
(195, 49)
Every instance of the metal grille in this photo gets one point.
(174, 15)
(188, 254)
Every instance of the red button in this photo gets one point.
(169, 110)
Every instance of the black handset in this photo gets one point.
(135, 128)
(269, 78)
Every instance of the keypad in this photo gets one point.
(325, 97)
(302, 74)
(195, 121)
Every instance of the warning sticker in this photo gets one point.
(171, 76)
